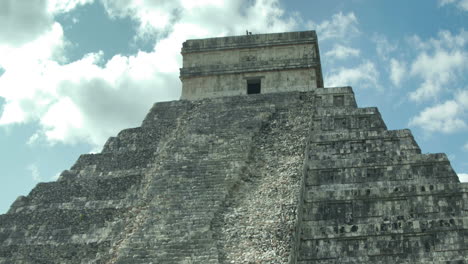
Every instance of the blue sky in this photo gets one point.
(74, 72)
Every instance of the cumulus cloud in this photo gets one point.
(383, 46)
(205, 17)
(89, 100)
(340, 30)
(23, 21)
(341, 26)
(444, 40)
(447, 117)
(446, 2)
(441, 62)
(437, 70)
(463, 177)
(48, 46)
(364, 75)
(34, 170)
(55, 176)
(63, 6)
(23, 80)
(342, 52)
(460, 4)
(397, 71)
(84, 102)
(153, 16)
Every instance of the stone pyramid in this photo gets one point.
(272, 170)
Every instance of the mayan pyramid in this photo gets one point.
(257, 163)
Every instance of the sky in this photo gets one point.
(75, 72)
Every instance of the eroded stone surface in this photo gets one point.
(372, 197)
(279, 62)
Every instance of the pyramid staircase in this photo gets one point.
(295, 177)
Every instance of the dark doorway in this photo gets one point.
(253, 86)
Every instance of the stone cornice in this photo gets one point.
(257, 66)
(249, 41)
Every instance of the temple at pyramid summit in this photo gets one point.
(251, 64)
(256, 163)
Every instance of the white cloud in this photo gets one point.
(205, 17)
(23, 81)
(152, 16)
(463, 177)
(445, 2)
(342, 52)
(448, 40)
(437, 71)
(441, 62)
(383, 46)
(12, 113)
(445, 40)
(397, 71)
(339, 27)
(63, 6)
(23, 21)
(447, 117)
(89, 100)
(55, 176)
(34, 170)
(461, 4)
(365, 75)
(465, 147)
(48, 46)
(33, 139)
(83, 102)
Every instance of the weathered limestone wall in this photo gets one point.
(370, 196)
(221, 66)
(249, 41)
(266, 54)
(235, 84)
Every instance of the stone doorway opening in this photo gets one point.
(253, 86)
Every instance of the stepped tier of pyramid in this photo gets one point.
(259, 173)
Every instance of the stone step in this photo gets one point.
(335, 97)
(384, 190)
(401, 201)
(319, 138)
(345, 211)
(81, 202)
(378, 169)
(314, 230)
(113, 161)
(49, 253)
(79, 219)
(163, 114)
(399, 246)
(357, 251)
(338, 119)
(364, 152)
(94, 189)
(349, 143)
(139, 138)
